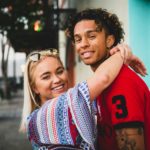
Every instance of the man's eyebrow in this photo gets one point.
(97, 29)
(90, 31)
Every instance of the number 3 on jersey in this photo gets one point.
(120, 102)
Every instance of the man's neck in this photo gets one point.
(95, 65)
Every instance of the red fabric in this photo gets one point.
(73, 128)
(127, 100)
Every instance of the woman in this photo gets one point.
(60, 119)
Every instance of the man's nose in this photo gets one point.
(85, 42)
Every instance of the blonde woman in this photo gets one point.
(56, 117)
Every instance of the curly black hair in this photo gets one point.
(103, 19)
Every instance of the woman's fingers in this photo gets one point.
(138, 66)
(114, 50)
(125, 52)
(129, 59)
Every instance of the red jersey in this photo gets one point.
(126, 103)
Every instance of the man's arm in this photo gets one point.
(130, 138)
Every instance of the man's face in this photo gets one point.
(90, 43)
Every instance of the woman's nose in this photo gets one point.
(56, 79)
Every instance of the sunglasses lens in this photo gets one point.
(38, 55)
(54, 51)
(35, 57)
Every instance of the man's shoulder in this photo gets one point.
(127, 74)
(127, 78)
(127, 71)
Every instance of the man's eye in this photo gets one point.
(92, 36)
(77, 40)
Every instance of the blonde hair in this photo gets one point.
(30, 98)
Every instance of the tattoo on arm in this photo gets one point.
(130, 139)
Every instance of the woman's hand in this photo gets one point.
(137, 65)
(129, 59)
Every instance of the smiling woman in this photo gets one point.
(45, 78)
(51, 81)
(53, 115)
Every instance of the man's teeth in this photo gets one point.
(87, 54)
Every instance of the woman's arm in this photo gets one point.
(131, 60)
(104, 75)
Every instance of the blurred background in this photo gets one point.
(26, 25)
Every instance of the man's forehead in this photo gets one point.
(87, 30)
(85, 26)
(85, 23)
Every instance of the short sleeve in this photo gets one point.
(126, 100)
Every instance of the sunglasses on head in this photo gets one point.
(35, 56)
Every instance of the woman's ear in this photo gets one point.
(35, 90)
(110, 41)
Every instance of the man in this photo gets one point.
(123, 108)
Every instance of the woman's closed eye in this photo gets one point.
(60, 71)
(46, 76)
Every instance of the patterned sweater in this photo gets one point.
(67, 120)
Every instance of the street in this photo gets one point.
(10, 113)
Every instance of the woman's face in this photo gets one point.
(50, 79)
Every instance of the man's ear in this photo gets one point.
(110, 41)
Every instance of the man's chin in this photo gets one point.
(88, 62)
(92, 64)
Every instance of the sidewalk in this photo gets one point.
(13, 107)
(10, 115)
